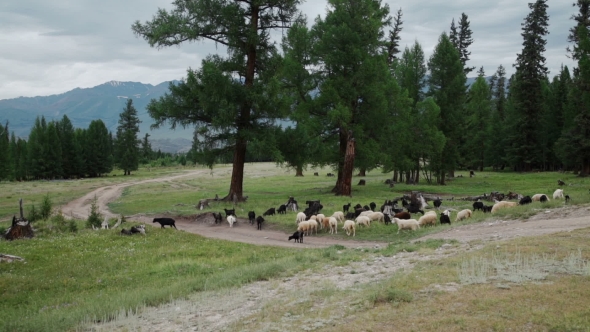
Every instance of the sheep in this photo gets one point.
(350, 215)
(349, 227)
(165, 221)
(525, 200)
(231, 220)
(544, 199)
(325, 223)
(313, 225)
(333, 224)
(298, 236)
(282, 209)
(339, 215)
(300, 217)
(345, 207)
(477, 205)
(229, 212)
(411, 224)
(259, 221)
(403, 215)
(251, 217)
(137, 229)
(537, 197)
(437, 203)
(487, 208)
(363, 220)
(304, 227)
(558, 193)
(463, 214)
(269, 212)
(428, 219)
(366, 213)
(445, 217)
(502, 204)
(319, 217)
(377, 216)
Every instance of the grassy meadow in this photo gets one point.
(72, 278)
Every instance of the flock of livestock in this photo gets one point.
(311, 219)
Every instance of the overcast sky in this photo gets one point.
(50, 47)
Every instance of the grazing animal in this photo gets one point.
(428, 219)
(165, 222)
(230, 212)
(437, 203)
(138, 229)
(298, 236)
(251, 217)
(560, 183)
(525, 200)
(463, 214)
(387, 218)
(373, 206)
(487, 208)
(324, 223)
(403, 215)
(259, 222)
(544, 199)
(345, 207)
(319, 218)
(477, 206)
(217, 217)
(282, 209)
(558, 193)
(316, 174)
(333, 223)
(411, 224)
(537, 197)
(358, 206)
(330, 174)
(349, 227)
(339, 215)
(445, 217)
(471, 174)
(377, 216)
(350, 215)
(304, 227)
(363, 220)
(502, 205)
(126, 232)
(231, 219)
(300, 217)
(567, 198)
(269, 212)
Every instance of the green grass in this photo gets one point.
(70, 278)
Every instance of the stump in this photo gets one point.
(361, 182)
(20, 228)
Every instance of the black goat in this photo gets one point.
(165, 222)
(373, 206)
(126, 232)
(444, 219)
(487, 208)
(218, 217)
(230, 212)
(345, 207)
(567, 198)
(544, 199)
(259, 221)
(358, 206)
(477, 206)
(367, 208)
(251, 217)
(282, 209)
(298, 236)
(269, 212)
(387, 219)
(350, 215)
(316, 174)
(525, 200)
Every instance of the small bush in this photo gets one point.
(94, 217)
(34, 214)
(390, 295)
(46, 207)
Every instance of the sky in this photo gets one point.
(51, 47)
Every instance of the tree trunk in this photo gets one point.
(237, 175)
(585, 167)
(394, 176)
(362, 172)
(345, 188)
(343, 137)
(299, 171)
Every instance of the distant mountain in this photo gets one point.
(105, 102)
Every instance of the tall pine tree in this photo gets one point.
(127, 144)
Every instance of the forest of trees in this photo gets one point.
(342, 84)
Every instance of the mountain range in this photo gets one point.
(105, 102)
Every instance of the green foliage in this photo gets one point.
(127, 152)
(97, 149)
(34, 214)
(478, 124)
(46, 207)
(5, 155)
(94, 219)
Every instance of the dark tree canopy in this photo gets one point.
(127, 144)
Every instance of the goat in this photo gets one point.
(445, 217)
(229, 212)
(126, 232)
(282, 209)
(437, 203)
(298, 236)
(165, 221)
(218, 217)
(373, 206)
(345, 207)
(259, 221)
(402, 215)
(251, 217)
(269, 212)
(477, 206)
(525, 200)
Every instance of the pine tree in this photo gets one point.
(53, 153)
(97, 149)
(70, 150)
(36, 149)
(524, 150)
(394, 38)
(478, 107)
(5, 158)
(447, 87)
(230, 99)
(127, 144)
(495, 147)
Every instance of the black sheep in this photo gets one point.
(126, 232)
(437, 203)
(373, 206)
(477, 206)
(251, 217)
(230, 212)
(350, 215)
(269, 212)
(358, 206)
(165, 222)
(567, 198)
(218, 217)
(387, 219)
(259, 221)
(525, 200)
(298, 236)
(444, 219)
(487, 208)
(544, 199)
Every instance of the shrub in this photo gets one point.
(34, 214)
(94, 217)
(46, 207)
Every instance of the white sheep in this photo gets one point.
(365, 213)
(377, 216)
(464, 214)
(502, 204)
(411, 224)
(231, 220)
(300, 217)
(333, 222)
(558, 194)
(304, 227)
(320, 217)
(339, 215)
(363, 220)
(428, 219)
(537, 197)
(349, 227)
(313, 225)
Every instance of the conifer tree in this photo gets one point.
(394, 38)
(5, 158)
(462, 39)
(53, 153)
(231, 99)
(524, 149)
(97, 149)
(127, 145)
(36, 149)
(70, 149)
(479, 110)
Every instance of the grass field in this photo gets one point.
(75, 278)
